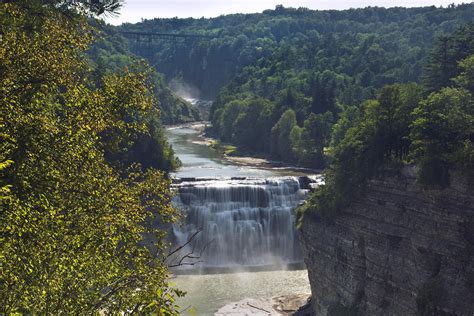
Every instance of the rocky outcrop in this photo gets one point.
(399, 249)
(282, 305)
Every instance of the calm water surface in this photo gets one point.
(208, 293)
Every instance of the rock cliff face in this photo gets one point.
(397, 250)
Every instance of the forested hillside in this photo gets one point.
(430, 126)
(282, 79)
(111, 52)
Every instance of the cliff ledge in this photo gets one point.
(399, 249)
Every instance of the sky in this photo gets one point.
(135, 10)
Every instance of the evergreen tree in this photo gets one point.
(443, 61)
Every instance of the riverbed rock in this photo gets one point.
(290, 304)
(248, 306)
(281, 305)
(400, 249)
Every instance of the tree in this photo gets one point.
(281, 142)
(443, 61)
(228, 116)
(347, 119)
(315, 136)
(249, 127)
(72, 223)
(466, 77)
(323, 93)
(442, 135)
(297, 145)
(393, 116)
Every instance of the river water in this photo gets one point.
(249, 221)
(199, 160)
(207, 293)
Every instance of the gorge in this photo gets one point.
(374, 241)
(344, 89)
(336, 171)
(384, 254)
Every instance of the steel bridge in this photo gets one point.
(149, 37)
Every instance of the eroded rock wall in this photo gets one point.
(398, 250)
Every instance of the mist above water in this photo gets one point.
(185, 90)
(192, 95)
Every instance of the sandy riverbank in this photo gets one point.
(247, 161)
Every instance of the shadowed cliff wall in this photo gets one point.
(399, 249)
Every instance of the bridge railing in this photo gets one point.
(150, 36)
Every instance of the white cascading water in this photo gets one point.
(246, 222)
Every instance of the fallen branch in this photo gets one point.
(264, 310)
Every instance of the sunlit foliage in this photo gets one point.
(72, 220)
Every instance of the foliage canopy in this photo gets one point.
(435, 133)
(72, 219)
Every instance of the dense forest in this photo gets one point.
(83, 165)
(430, 126)
(282, 79)
(286, 41)
(425, 130)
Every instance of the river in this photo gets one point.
(248, 218)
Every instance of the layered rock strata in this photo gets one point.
(399, 249)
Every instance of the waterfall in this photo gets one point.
(246, 222)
